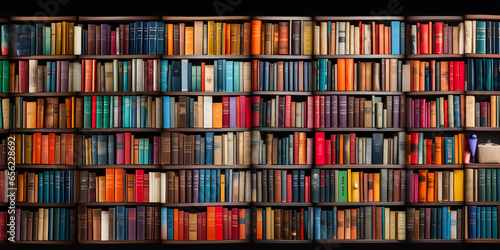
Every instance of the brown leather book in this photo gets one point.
(149, 223)
(157, 223)
(60, 120)
(97, 50)
(91, 41)
(350, 111)
(296, 37)
(96, 223)
(234, 38)
(78, 112)
(277, 185)
(165, 148)
(176, 188)
(40, 112)
(284, 28)
(378, 223)
(189, 186)
(130, 187)
(188, 146)
(49, 113)
(268, 43)
(275, 149)
(277, 224)
(82, 223)
(198, 37)
(286, 224)
(181, 149)
(31, 187)
(90, 226)
(182, 112)
(170, 186)
(175, 147)
(182, 186)
(247, 28)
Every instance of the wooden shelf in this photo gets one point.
(359, 18)
(357, 204)
(359, 129)
(362, 93)
(476, 55)
(119, 57)
(281, 18)
(4, 131)
(176, 167)
(282, 204)
(434, 166)
(291, 93)
(207, 57)
(4, 20)
(360, 56)
(4, 94)
(124, 166)
(118, 18)
(432, 93)
(447, 129)
(282, 167)
(45, 166)
(273, 129)
(197, 93)
(482, 165)
(282, 241)
(358, 241)
(203, 242)
(186, 130)
(45, 94)
(44, 242)
(359, 166)
(482, 203)
(205, 18)
(435, 204)
(411, 19)
(107, 242)
(482, 129)
(282, 57)
(482, 17)
(434, 56)
(43, 130)
(433, 241)
(208, 204)
(47, 57)
(120, 130)
(111, 204)
(38, 204)
(120, 93)
(483, 241)
(482, 92)
(43, 18)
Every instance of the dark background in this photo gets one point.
(250, 7)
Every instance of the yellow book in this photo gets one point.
(210, 37)
(58, 38)
(217, 115)
(102, 188)
(493, 108)
(349, 183)
(222, 188)
(376, 187)
(223, 39)
(308, 37)
(31, 115)
(188, 41)
(456, 149)
(458, 184)
(170, 38)
(64, 33)
(218, 37)
(193, 224)
(354, 186)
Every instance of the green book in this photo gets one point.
(5, 76)
(236, 76)
(488, 184)
(99, 111)
(144, 113)
(115, 75)
(126, 112)
(198, 78)
(343, 186)
(494, 185)
(111, 111)
(87, 111)
(193, 78)
(481, 185)
(106, 111)
(141, 151)
(146, 151)
(56, 220)
(47, 40)
(480, 37)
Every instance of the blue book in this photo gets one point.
(120, 222)
(190, 82)
(444, 222)
(498, 184)
(479, 73)
(40, 188)
(497, 38)
(283, 185)
(176, 76)
(306, 76)
(33, 43)
(145, 38)
(427, 73)
(439, 234)
(488, 222)
(57, 223)
(317, 223)
(160, 40)
(285, 76)
(493, 185)
(229, 77)
(153, 37)
(478, 223)
(51, 186)
(433, 222)
(290, 76)
(208, 185)
(488, 84)
(184, 74)
(216, 77)
(483, 222)
(456, 110)
(302, 174)
(163, 221)
(323, 227)
(166, 112)
(46, 177)
(236, 76)
(63, 215)
(328, 36)
(202, 186)
(125, 111)
(213, 185)
(133, 111)
(218, 185)
(329, 225)
(144, 118)
(139, 25)
(62, 186)
(322, 75)
(261, 75)
(197, 149)
(23, 33)
(226, 188)
(111, 150)
(264, 225)
(125, 76)
(209, 148)
(266, 76)
(400, 75)
(49, 77)
(170, 224)
(295, 185)
(51, 223)
(494, 221)
(126, 223)
(222, 88)
(449, 150)
(334, 219)
(470, 74)
(164, 75)
(395, 36)
(141, 151)
(131, 39)
(102, 148)
(496, 75)
(220, 75)
(327, 185)
(53, 77)
(480, 37)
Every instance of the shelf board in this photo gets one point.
(119, 57)
(359, 129)
(447, 129)
(360, 166)
(357, 204)
(432, 241)
(110, 204)
(388, 56)
(482, 203)
(482, 92)
(291, 93)
(358, 241)
(359, 18)
(362, 93)
(282, 204)
(43, 18)
(118, 18)
(435, 204)
(203, 242)
(46, 57)
(4, 131)
(124, 166)
(120, 130)
(434, 166)
(197, 93)
(37, 204)
(205, 18)
(120, 93)
(482, 165)
(427, 93)
(43, 130)
(107, 242)
(175, 167)
(273, 129)
(206, 57)
(44, 242)
(483, 241)
(281, 166)
(411, 19)
(4, 20)
(4, 94)
(479, 129)
(281, 18)
(186, 130)
(282, 241)
(208, 204)
(434, 56)
(45, 166)
(45, 94)
(476, 55)
(482, 17)
(282, 57)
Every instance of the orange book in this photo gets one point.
(341, 74)
(277, 185)
(422, 185)
(445, 86)
(353, 224)
(341, 143)
(69, 148)
(20, 187)
(435, 186)
(176, 223)
(37, 148)
(418, 38)
(210, 223)
(118, 184)
(457, 147)
(256, 36)
(31, 115)
(381, 40)
(102, 188)
(130, 187)
(259, 223)
(386, 40)
(430, 37)
(302, 148)
(203, 77)
(374, 39)
(349, 67)
(188, 41)
(181, 225)
(370, 190)
(136, 151)
(415, 67)
(52, 147)
(340, 224)
(389, 41)
(217, 115)
(430, 187)
(333, 41)
(439, 155)
(460, 148)
(170, 38)
(421, 74)
(376, 187)
(408, 149)
(45, 149)
(241, 215)
(227, 39)
(110, 185)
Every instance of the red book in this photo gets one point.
(52, 147)
(225, 111)
(310, 111)
(322, 111)
(218, 223)
(414, 148)
(328, 152)
(204, 226)
(353, 148)
(127, 148)
(229, 224)
(242, 112)
(422, 113)
(225, 222)
(429, 151)
(234, 224)
(94, 111)
(203, 77)
(289, 188)
(307, 180)
(320, 148)
(296, 147)
(37, 138)
(139, 185)
(361, 30)
(456, 75)
(199, 226)
(186, 225)
(316, 110)
(424, 38)
(145, 185)
(150, 76)
(288, 103)
(451, 75)
(255, 110)
(180, 222)
(438, 31)
(113, 42)
(24, 76)
(248, 110)
(45, 149)
(462, 76)
(238, 112)
(445, 113)
(334, 148)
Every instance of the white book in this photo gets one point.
(461, 42)
(70, 77)
(247, 76)
(77, 41)
(140, 75)
(439, 186)
(118, 40)
(451, 117)
(248, 186)
(468, 36)
(392, 226)
(224, 150)
(473, 36)
(134, 74)
(184, 74)
(341, 38)
(40, 222)
(104, 225)
(352, 43)
(356, 41)
(453, 224)
(33, 78)
(337, 25)
(401, 222)
(163, 188)
(273, 113)
(155, 75)
(323, 39)
(347, 38)
(77, 77)
(387, 217)
(367, 40)
(157, 178)
(207, 109)
(116, 106)
(209, 78)
(230, 146)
